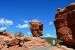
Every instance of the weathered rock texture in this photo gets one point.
(36, 42)
(7, 34)
(36, 28)
(14, 44)
(9, 41)
(61, 47)
(65, 24)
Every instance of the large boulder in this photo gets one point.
(15, 47)
(13, 42)
(65, 24)
(17, 43)
(36, 28)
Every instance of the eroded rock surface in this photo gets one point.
(61, 47)
(20, 43)
(7, 34)
(36, 28)
(65, 24)
(36, 42)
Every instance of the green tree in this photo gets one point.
(19, 34)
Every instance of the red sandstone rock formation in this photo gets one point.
(9, 41)
(61, 47)
(16, 47)
(36, 42)
(14, 42)
(36, 28)
(65, 24)
(7, 34)
(4, 38)
(23, 38)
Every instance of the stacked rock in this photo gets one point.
(36, 28)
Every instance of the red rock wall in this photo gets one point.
(65, 24)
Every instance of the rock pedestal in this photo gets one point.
(65, 24)
(36, 28)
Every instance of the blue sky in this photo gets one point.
(16, 14)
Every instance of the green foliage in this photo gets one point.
(50, 39)
(58, 41)
(19, 34)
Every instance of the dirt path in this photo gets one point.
(42, 48)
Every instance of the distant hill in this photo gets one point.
(49, 39)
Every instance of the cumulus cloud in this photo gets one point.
(22, 26)
(4, 21)
(3, 28)
(47, 35)
(28, 33)
(26, 21)
(25, 25)
(50, 35)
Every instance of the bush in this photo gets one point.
(19, 34)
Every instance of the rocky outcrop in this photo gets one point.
(65, 24)
(14, 44)
(9, 41)
(23, 43)
(16, 47)
(36, 28)
(7, 34)
(61, 47)
(36, 42)
(20, 43)
(17, 41)
(23, 38)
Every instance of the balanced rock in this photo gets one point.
(36, 28)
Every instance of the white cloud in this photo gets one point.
(35, 20)
(47, 35)
(25, 25)
(22, 26)
(3, 28)
(50, 23)
(28, 33)
(50, 35)
(26, 21)
(4, 21)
